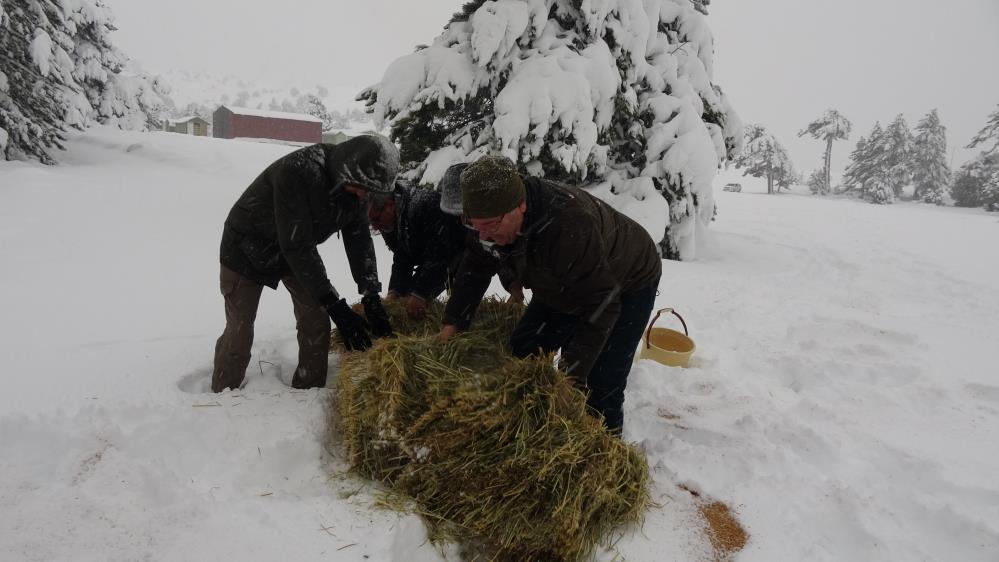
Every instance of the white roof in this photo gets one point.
(185, 119)
(272, 114)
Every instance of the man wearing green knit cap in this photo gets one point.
(593, 273)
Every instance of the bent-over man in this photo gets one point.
(593, 271)
(272, 234)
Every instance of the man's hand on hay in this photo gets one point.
(447, 332)
(516, 294)
(376, 315)
(416, 307)
(391, 296)
(351, 325)
(566, 392)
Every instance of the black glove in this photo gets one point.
(353, 329)
(377, 317)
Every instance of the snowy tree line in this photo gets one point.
(892, 158)
(885, 162)
(60, 71)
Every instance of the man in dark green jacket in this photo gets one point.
(272, 234)
(593, 272)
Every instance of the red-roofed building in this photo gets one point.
(244, 123)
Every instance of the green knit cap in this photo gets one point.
(490, 187)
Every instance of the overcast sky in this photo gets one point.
(783, 62)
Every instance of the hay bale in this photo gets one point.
(494, 319)
(478, 440)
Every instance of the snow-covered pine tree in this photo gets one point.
(763, 157)
(869, 167)
(617, 96)
(58, 69)
(898, 155)
(990, 183)
(832, 126)
(967, 187)
(986, 166)
(98, 63)
(35, 77)
(856, 172)
(788, 176)
(316, 108)
(880, 190)
(198, 109)
(930, 171)
(817, 182)
(988, 135)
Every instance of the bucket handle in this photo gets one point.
(648, 332)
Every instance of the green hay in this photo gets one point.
(477, 439)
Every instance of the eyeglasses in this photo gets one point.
(484, 227)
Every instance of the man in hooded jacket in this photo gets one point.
(426, 244)
(272, 234)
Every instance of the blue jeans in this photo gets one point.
(543, 329)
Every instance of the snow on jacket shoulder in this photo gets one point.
(294, 205)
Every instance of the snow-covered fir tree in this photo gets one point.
(983, 171)
(988, 136)
(817, 182)
(869, 170)
(316, 108)
(898, 146)
(128, 100)
(831, 127)
(990, 184)
(617, 96)
(194, 108)
(35, 76)
(966, 191)
(764, 157)
(976, 183)
(59, 70)
(930, 172)
(856, 171)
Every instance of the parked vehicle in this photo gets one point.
(732, 187)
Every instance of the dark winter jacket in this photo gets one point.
(297, 203)
(577, 255)
(426, 243)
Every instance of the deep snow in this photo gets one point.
(844, 397)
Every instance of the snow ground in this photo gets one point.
(844, 397)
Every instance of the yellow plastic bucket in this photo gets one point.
(666, 346)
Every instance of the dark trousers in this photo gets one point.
(545, 330)
(232, 350)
